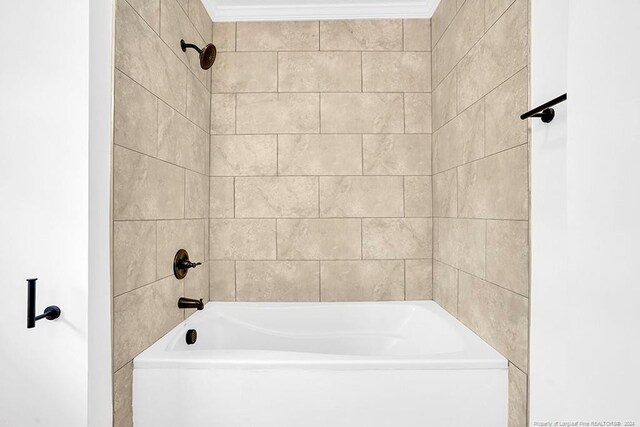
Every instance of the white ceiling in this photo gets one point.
(289, 10)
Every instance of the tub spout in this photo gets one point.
(190, 303)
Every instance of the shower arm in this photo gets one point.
(184, 45)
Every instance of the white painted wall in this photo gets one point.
(52, 158)
(585, 321)
(548, 364)
(101, 31)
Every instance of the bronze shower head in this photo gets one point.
(207, 55)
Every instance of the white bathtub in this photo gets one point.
(321, 364)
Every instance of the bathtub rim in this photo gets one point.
(477, 354)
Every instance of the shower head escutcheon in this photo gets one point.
(207, 55)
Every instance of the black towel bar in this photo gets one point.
(544, 111)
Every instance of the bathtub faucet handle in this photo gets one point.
(185, 263)
(182, 264)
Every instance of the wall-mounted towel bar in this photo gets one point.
(544, 111)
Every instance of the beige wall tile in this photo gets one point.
(500, 54)
(251, 239)
(495, 187)
(461, 140)
(319, 72)
(244, 155)
(136, 320)
(461, 243)
(278, 113)
(417, 113)
(140, 54)
(196, 195)
(180, 141)
(517, 397)
(362, 280)
(441, 19)
(198, 103)
(493, 9)
(498, 316)
(146, 188)
(277, 36)
(222, 280)
(149, 10)
(417, 196)
(135, 116)
(134, 255)
(362, 112)
(221, 197)
(444, 101)
(245, 72)
(224, 36)
(508, 255)
(200, 19)
(321, 154)
(396, 71)
(445, 194)
(397, 154)
(277, 197)
(207, 239)
(396, 238)
(175, 25)
(223, 113)
(278, 280)
(353, 196)
(179, 234)
(503, 106)
(418, 279)
(373, 34)
(465, 30)
(319, 239)
(435, 233)
(445, 287)
(417, 34)
(122, 391)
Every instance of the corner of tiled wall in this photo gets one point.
(480, 176)
(321, 161)
(161, 176)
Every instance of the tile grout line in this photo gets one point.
(482, 158)
(480, 278)
(159, 159)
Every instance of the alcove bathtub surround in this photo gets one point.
(299, 168)
(160, 176)
(481, 176)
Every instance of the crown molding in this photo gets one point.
(323, 12)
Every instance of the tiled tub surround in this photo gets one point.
(300, 168)
(480, 176)
(321, 161)
(160, 176)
